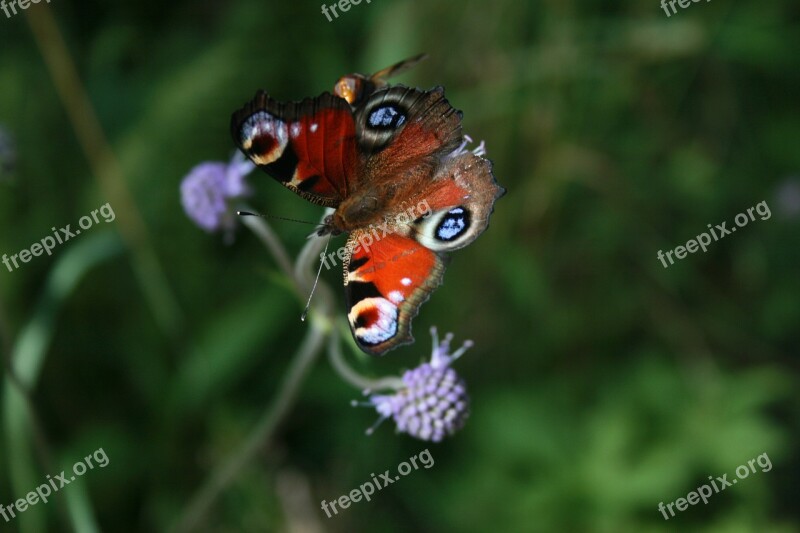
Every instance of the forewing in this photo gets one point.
(308, 146)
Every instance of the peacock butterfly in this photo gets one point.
(370, 152)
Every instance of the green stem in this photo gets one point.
(269, 239)
(106, 168)
(259, 437)
(344, 370)
(263, 432)
(24, 367)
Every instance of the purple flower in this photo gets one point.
(210, 189)
(432, 401)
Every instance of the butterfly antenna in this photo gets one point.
(316, 280)
(249, 214)
(398, 68)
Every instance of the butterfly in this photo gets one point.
(391, 161)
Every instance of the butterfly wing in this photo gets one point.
(402, 135)
(460, 200)
(323, 152)
(395, 266)
(387, 278)
(308, 146)
(400, 126)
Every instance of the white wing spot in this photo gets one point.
(406, 281)
(295, 129)
(396, 297)
(313, 127)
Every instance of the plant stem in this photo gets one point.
(265, 429)
(105, 168)
(268, 237)
(261, 434)
(339, 364)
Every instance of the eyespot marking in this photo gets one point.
(264, 137)
(374, 320)
(386, 117)
(453, 224)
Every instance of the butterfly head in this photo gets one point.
(353, 88)
(329, 227)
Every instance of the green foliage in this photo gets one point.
(602, 383)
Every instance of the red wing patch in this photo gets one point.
(307, 146)
(386, 281)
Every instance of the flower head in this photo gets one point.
(432, 401)
(208, 191)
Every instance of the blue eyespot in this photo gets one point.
(453, 224)
(386, 117)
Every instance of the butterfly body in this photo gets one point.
(405, 191)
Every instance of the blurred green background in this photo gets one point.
(601, 382)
